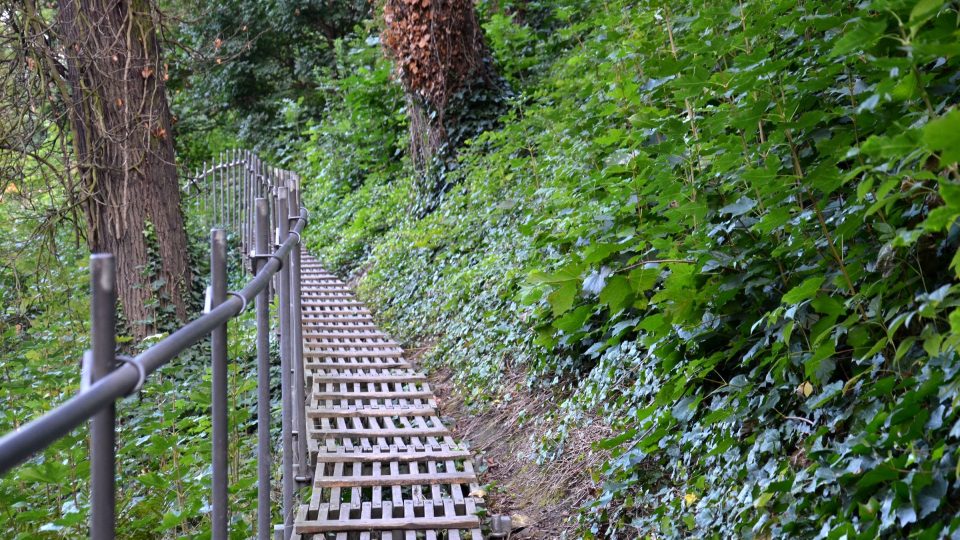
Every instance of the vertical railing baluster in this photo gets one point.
(296, 340)
(215, 188)
(283, 291)
(203, 196)
(218, 354)
(226, 191)
(233, 191)
(262, 247)
(223, 189)
(230, 207)
(251, 205)
(244, 209)
(103, 321)
(271, 190)
(196, 199)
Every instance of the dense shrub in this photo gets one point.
(730, 227)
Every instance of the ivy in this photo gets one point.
(729, 228)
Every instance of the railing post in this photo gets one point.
(296, 345)
(103, 320)
(218, 354)
(262, 247)
(231, 191)
(204, 208)
(283, 291)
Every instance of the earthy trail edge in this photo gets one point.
(386, 466)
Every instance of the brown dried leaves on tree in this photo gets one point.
(439, 50)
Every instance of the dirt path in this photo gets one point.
(543, 500)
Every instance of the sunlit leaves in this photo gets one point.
(942, 135)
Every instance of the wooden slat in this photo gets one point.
(368, 412)
(347, 333)
(323, 379)
(381, 432)
(398, 480)
(370, 395)
(312, 353)
(399, 457)
(332, 304)
(386, 439)
(403, 524)
(379, 364)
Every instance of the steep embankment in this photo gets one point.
(725, 233)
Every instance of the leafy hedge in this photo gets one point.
(728, 226)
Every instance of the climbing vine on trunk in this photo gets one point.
(121, 134)
(440, 55)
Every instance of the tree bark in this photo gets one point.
(121, 129)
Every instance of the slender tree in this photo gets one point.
(121, 131)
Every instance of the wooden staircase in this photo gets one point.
(386, 467)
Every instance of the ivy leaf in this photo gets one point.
(613, 442)
(923, 10)
(879, 474)
(943, 135)
(739, 208)
(573, 321)
(829, 392)
(931, 496)
(561, 299)
(805, 291)
(862, 36)
(594, 283)
(906, 515)
(616, 293)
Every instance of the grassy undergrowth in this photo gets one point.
(163, 450)
(729, 226)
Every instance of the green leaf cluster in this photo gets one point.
(730, 229)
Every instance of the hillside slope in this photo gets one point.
(726, 231)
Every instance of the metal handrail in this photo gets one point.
(17, 446)
(250, 200)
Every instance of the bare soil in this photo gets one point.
(542, 499)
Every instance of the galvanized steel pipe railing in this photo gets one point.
(238, 195)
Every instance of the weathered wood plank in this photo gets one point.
(312, 353)
(399, 457)
(324, 379)
(371, 395)
(385, 435)
(365, 412)
(403, 524)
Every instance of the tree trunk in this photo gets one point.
(447, 71)
(121, 129)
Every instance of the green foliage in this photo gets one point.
(354, 152)
(163, 439)
(728, 227)
(236, 65)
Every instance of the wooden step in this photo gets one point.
(364, 412)
(371, 395)
(402, 524)
(335, 379)
(394, 456)
(327, 334)
(377, 433)
(383, 448)
(351, 354)
(376, 364)
(419, 479)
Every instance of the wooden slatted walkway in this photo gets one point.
(386, 467)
